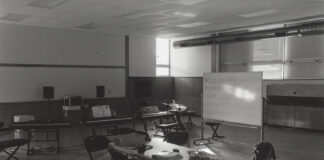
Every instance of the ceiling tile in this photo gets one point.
(157, 17)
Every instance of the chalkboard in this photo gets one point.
(233, 97)
(21, 84)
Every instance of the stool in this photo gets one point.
(214, 126)
(190, 114)
(166, 128)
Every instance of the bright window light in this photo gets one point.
(162, 71)
(268, 49)
(162, 57)
(270, 71)
(162, 51)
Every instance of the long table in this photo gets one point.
(106, 123)
(42, 126)
(111, 122)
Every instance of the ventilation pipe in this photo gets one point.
(312, 28)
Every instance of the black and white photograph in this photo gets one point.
(161, 79)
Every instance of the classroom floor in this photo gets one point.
(238, 144)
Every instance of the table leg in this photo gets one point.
(58, 140)
(29, 135)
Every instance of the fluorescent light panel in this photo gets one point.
(192, 25)
(133, 15)
(183, 14)
(88, 26)
(184, 2)
(47, 3)
(14, 17)
(259, 13)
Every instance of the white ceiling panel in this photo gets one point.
(160, 17)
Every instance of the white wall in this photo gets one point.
(36, 45)
(191, 61)
(142, 57)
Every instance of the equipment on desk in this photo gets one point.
(176, 106)
(73, 108)
(18, 133)
(101, 111)
(149, 109)
(72, 101)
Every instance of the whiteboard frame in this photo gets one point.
(261, 126)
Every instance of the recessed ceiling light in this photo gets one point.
(47, 3)
(14, 17)
(192, 25)
(184, 2)
(259, 13)
(184, 14)
(88, 26)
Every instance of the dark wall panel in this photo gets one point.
(188, 91)
(150, 91)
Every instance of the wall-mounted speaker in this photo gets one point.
(100, 91)
(48, 92)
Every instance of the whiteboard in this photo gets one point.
(233, 97)
(21, 84)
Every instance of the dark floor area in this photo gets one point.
(238, 143)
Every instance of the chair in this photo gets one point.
(5, 144)
(264, 151)
(96, 143)
(166, 128)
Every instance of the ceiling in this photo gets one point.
(161, 18)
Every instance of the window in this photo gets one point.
(270, 71)
(162, 57)
(268, 58)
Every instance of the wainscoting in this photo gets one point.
(150, 91)
(188, 91)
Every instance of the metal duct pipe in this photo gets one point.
(302, 29)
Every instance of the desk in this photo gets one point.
(106, 123)
(158, 146)
(41, 126)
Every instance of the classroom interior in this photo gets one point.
(59, 59)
